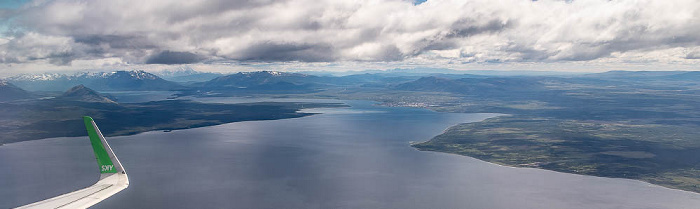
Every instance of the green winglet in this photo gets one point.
(103, 161)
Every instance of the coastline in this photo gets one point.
(165, 129)
(130, 119)
(605, 177)
(416, 145)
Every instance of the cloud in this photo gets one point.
(269, 51)
(177, 32)
(170, 58)
(693, 54)
(27, 47)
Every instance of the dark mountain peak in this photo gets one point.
(9, 92)
(85, 94)
(79, 89)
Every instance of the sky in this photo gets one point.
(333, 35)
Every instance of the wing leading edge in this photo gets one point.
(113, 177)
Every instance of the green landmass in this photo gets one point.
(645, 130)
(31, 120)
(661, 154)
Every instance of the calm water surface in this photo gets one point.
(355, 157)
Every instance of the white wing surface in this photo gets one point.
(113, 177)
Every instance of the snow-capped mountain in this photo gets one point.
(135, 80)
(179, 71)
(262, 80)
(186, 74)
(40, 77)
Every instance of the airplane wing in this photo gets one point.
(113, 177)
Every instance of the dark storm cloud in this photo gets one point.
(268, 51)
(115, 41)
(170, 58)
(468, 27)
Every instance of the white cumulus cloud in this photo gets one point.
(454, 31)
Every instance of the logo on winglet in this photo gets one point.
(107, 168)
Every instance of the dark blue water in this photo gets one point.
(355, 157)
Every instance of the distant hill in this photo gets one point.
(84, 94)
(9, 92)
(646, 76)
(262, 80)
(186, 75)
(136, 80)
(633, 74)
(446, 71)
(688, 76)
(373, 79)
(199, 77)
(433, 83)
(274, 80)
(474, 86)
(658, 80)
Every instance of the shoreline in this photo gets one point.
(516, 167)
(143, 117)
(131, 133)
(412, 144)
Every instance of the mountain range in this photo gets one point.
(186, 75)
(262, 80)
(136, 80)
(274, 81)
